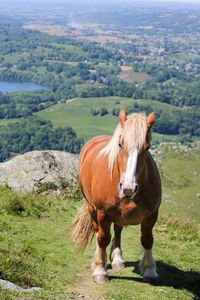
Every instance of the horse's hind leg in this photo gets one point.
(103, 239)
(148, 264)
(116, 252)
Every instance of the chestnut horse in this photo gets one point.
(121, 184)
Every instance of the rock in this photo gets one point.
(13, 287)
(24, 172)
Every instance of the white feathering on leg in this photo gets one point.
(148, 265)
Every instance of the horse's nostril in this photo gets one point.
(120, 185)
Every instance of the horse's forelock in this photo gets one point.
(133, 134)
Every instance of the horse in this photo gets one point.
(121, 184)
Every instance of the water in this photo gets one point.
(9, 87)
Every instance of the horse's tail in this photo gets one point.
(83, 230)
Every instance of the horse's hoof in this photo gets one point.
(151, 280)
(100, 278)
(118, 266)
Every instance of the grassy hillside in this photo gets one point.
(76, 113)
(35, 252)
(180, 172)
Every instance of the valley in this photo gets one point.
(146, 69)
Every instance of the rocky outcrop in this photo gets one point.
(24, 172)
(13, 287)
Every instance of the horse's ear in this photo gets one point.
(122, 116)
(150, 120)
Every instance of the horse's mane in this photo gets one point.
(133, 134)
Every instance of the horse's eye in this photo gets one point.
(120, 145)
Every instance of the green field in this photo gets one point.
(34, 249)
(131, 76)
(7, 121)
(77, 114)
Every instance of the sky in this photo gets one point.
(183, 1)
(99, 1)
(131, 1)
(29, 3)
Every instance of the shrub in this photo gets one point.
(103, 111)
(115, 112)
(94, 112)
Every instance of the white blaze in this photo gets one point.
(130, 175)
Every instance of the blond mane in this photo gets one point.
(133, 134)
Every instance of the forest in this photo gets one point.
(35, 134)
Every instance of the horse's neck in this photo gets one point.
(142, 174)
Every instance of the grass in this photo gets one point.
(34, 250)
(12, 58)
(181, 184)
(130, 76)
(69, 48)
(7, 121)
(86, 125)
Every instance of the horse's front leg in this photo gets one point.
(116, 252)
(148, 264)
(100, 257)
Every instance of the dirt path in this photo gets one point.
(70, 100)
(87, 289)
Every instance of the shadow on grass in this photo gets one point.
(168, 276)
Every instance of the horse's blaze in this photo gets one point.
(128, 180)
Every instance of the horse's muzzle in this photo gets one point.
(128, 191)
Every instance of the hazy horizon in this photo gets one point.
(94, 5)
(93, 2)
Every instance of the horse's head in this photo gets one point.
(133, 143)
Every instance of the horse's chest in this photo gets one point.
(129, 213)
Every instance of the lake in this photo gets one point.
(9, 87)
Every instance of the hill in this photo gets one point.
(77, 113)
(180, 175)
(34, 252)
